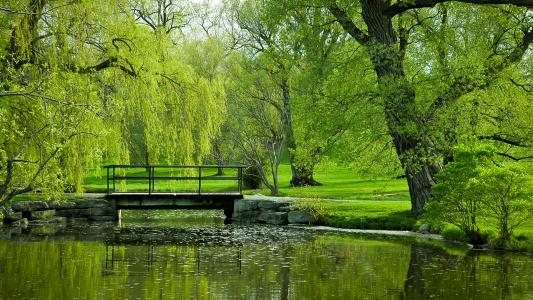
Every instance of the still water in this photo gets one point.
(190, 255)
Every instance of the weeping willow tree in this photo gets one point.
(87, 82)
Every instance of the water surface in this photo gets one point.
(190, 255)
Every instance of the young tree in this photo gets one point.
(504, 199)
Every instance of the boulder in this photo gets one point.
(246, 216)
(275, 218)
(29, 206)
(12, 216)
(245, 205)
(74, 213)
(284, 209)
(62, 205)
(269, 205)
(424, 228)
(301, 217)
(42, 214)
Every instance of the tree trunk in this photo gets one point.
(302, 176)
(220, 171)
(404, 122)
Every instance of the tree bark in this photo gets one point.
(301, 175)
(404, 122)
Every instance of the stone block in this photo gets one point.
(74, 213)
(301, 217)
(12, 216)
(284, 208)
(249, 215)
(29, 206)
(275, 218)
(63, 205)
(42, 214)
(245, 205)
(269, 205)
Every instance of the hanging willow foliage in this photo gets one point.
(83, 83)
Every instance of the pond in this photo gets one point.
(191, 255)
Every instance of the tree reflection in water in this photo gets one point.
(263, 262)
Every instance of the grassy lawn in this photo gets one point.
(348, 201)
(337, 183)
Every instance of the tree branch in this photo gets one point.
(502, 139)
(346, 22)
(514, 158)
(402, 6)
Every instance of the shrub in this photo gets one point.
(455, 199)
(501, 191)
(454, 234)
(314, 206)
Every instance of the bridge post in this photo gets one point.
(117, 213)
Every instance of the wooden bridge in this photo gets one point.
(172, 187)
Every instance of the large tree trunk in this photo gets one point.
(404, 122)
(301, 175)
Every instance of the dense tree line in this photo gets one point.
(400, 84)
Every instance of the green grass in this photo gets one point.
(369, 214)
(337, 183)
(342, 183)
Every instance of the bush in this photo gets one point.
(502, 196)
(455, 199)
(474, 188)
(454, 234)
(314, 206)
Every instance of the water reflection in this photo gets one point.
(216, 261)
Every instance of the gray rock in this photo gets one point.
(276, 218)
(21, 223)
(29, 205)
(269, 205)
(91, 203)
(74, 213)
(61, 205)
(301, 217)
(424, 228)
(284, 209)
(245, 205)
(12, 216)
(42, 214)
(247, 216)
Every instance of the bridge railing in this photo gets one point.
(179, 179)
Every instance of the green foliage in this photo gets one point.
(502, 196)
(455, 234)
(473, 190)
(314, 206)
(455, 199)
